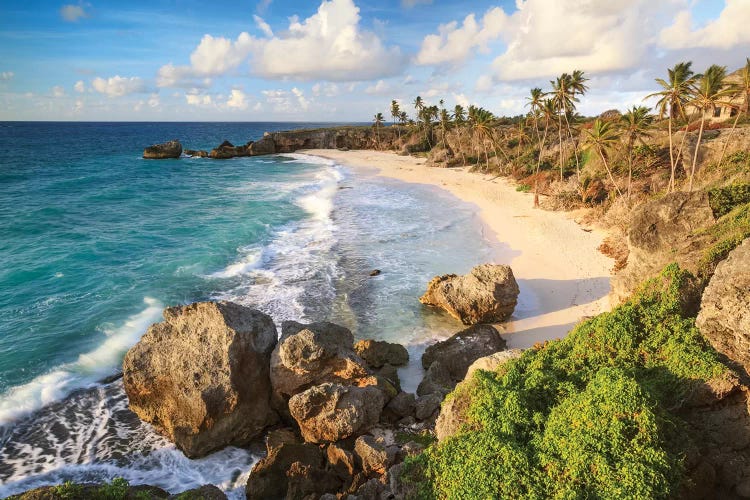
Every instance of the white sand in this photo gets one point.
(561, 274)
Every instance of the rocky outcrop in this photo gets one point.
(724, 316)
(227, 150)
(493, 361)
(488, 294)
(313, 354)
(378, 353)
(332, 412)
(171, 149)
(201, 376)
(664, 231)
(374, 456)
(196, 153)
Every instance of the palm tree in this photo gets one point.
(378, 121)
(577, 87)
(739, 90)
(635, 124)
(602, 137)
(548, 112)
(481, 120)
(403, 118)
(563, 98)
(706, 94)
(445, 120)
(418, 104)
(395, 113)
(459, 117)
(672, 100)
(534, 102)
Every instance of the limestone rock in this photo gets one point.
(426, 406)
(201, 376)
(402, 405)
(437, 379)
(341, 461)
(265, 146)
(724, 316)
(488, 294)
(459, 351)
(313, 354)
(493, 361)
(205, 492)
(374, 456)
(331, 412)
(170, 149)
(377, 353)
(196, 153)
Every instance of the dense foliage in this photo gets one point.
(726, 235)
(588, 416)
(724, 199)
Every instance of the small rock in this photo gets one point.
(269, 479)
(427, 406)
(462, 349)
(375, 272)
(373, 455)
(205, 492)
(378, 353)
(402, 405)
(341, 460)
(170, 149)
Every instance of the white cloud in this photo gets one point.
(380, 88)
(454, 44)
(79, 87)
(78, 106)
(58, 91)
(153, 101)
(287, 101)
(118, 86)
(6, 75)
(237, 100)
(729, 30)
(183, 77)
(72, 13)
(301, 100)
(195, 99)
(326, 89)
(330, 45)
(263, 26)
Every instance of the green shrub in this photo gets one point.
(723, 200)
(68, 490)
(587, 416)
(727, 234)
(523, 188)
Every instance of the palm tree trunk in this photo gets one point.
(609, 172)
(695, 155)
(672, 163)
(575, 149)
(538, 165)
(559, 133)
(630, 168)
(731, 132)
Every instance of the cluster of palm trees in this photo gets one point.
(685, 100)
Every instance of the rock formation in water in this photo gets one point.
(488, 294)
(201, 376)
(171, 149)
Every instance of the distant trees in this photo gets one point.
(738, 91)
(602, 137)
(377, 123)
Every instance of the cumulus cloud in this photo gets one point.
(287, 101)
(330, 45)
(79, 87)
(237, 100)
(453, 43)
(6, 75)
(58, 91)
(72, 13)
(327, 89)
(380, 88)
(193, 98)
(725, 32)
(118, 86)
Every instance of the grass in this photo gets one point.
(589, 416)
(728, 232)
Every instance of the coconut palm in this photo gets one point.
(707, 93)
(534, 102)
(577, 86)
(445, 120)
(418, 105)
(481, 126)
(403, 117)
(548, 111)
(377, 122)
(563, 97)
(739, 91)
(459, 117)
(635, 127)
(395, 113)
(672, 99)
(602, 137)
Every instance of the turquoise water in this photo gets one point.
(95, 241)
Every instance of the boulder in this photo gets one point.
(459, 351)
(389, 373)
(268, 478)
(724, 317)
(332, 412)
(313, 354)
(488, 294)
(201, 376)
(402, 405)
(265, 146)
(374, 456)
(307, 481)
(427, 405)
(171, 149)
(377, 353)
(493, 361)
(437, 379)
(205, 492)
(341, 461)
(196, 153)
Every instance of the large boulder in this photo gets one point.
(265, 146)
(493, 361)
(724, 316)
(459, 351)
(332, 412)
(488, 294)
(377, 353)
(201, 376)
(171, 149)
(313, 354)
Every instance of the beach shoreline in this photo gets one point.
(562, 276)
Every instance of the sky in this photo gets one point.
(343, 60)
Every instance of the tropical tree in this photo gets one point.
(548, 111)
(395, 113)
(563, 97)
(672, 100)
(577, 86)
(635, 127)
(445, 120)
(534, 102)
(418, 105)
(481, 126)
(739, 91)
(706, 94)
(459, 118)
(602, 137)
(403, 117)
(377, 123)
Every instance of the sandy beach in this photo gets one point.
(561, 274)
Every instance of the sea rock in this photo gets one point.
(341, 461)
(374, 456)
(265, 146)
(377, 353)
(171, 149)
(201, 376)
(307, 481)
(332, 412)
(196, 153)
(458, 352)
(227, 150)
(724, 316)
(389, 375)
(426, 406)
(437, 379)
(402, 405)
(312, 354)
(488, 294)
(493, 361)
(205, 492)
(268, 478)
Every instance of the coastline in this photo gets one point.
(562, 276)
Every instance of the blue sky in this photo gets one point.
(342, 59)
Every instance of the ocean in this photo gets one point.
(95, 242)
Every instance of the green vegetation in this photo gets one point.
(116, 490)
(424, 438)
(727, 234)
(523, 188)
(723, 200)
(593, 415)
